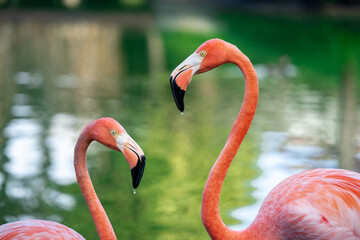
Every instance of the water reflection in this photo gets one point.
(61, 141)
(58, 75)
(24, 135)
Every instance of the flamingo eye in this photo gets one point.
(113, 132)
(202, 53)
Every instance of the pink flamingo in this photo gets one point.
(316, 204)
(111, 134)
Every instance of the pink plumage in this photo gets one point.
(316, 204)
(37, 229)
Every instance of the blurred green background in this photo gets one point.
(64, 63)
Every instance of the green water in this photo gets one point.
(58, 74)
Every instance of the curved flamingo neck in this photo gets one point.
(102, 223)
(211, 195)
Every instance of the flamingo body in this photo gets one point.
(315, 204)
(110, 133)
(320, 204)
(37, 229)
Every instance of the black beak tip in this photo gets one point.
(178, 94)
(137, 171)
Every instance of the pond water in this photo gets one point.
(59, 73)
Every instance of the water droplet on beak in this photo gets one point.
(182, 113)
(134, 192)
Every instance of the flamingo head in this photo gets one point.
(209, 55)
(110, 133)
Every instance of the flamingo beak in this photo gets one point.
(181, 77)
(134, 156)
(137, 171)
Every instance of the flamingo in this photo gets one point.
(111, 134)
(318, 204)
